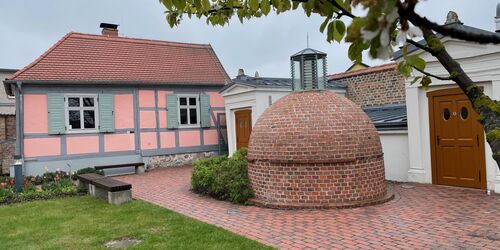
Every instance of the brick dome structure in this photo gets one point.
(316, 149)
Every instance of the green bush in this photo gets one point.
(88, 171)
(223, 178)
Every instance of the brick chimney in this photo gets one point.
(109, 29)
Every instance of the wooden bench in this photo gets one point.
(85, 180)
(114, 191)
(139, 166)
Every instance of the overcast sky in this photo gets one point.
(29, 28)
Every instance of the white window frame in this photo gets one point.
(197, 106)
(81, 130)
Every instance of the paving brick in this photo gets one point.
(424, 217)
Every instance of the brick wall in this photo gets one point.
(7, 141)
(376, 85)
(315, 149)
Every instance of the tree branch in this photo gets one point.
(434, 76)
(472, 36)
(343, 12)
(421, 46)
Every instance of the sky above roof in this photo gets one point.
(265, 44)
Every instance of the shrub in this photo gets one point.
(88, 171)
(223, 178)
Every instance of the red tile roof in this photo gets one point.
(84, 57)
(383, 67)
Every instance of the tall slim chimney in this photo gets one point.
(497, 19)
(109, 29)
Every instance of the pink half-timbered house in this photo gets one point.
(105, 99)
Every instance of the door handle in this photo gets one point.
(437, 140)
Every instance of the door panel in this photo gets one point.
(458, 143)
(243, 127)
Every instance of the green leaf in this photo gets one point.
(416, 61)
(355, 50)
(265, 6)
(339, 31)
(415, 80)
(179, 4)
(168, 4)
(295, 5)
(425, 82)
(405, 69)
(205, 4)
(323, 25)
(330, 31)
(253, 4)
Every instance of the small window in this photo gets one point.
(446, 114)
(464, 113)
(81, 113)
(189, 112)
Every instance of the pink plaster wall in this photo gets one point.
(216, 100)
(119, 142)
(148, 140)
(163, 118)
(82, 145)
(146, 98)
(42, 147)
(162, 98)
(148, 119)
(223, 118)
(35, 114)
(189, 138)
(167, 139)
(210, 137)
(124, 111)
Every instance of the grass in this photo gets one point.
(88, 223)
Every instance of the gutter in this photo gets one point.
(126, 83)
(18, 153)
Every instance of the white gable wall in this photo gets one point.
(482, 64)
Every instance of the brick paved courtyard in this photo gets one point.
(420, 216)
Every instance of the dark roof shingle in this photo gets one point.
(388, 117)
(274, 82)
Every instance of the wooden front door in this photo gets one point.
(457, 140)
(243, 127)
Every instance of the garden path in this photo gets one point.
(420, 216)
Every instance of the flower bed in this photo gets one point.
(47, 186)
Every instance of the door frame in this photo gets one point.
(430, 102)
(236, 125)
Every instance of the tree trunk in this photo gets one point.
(488, 109)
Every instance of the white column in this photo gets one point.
(492, 171)
(416, 172)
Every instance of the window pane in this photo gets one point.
(193, 117)
(74, 119)
(446, 114)
(74, 102)
(88, 102)
(89, 119)
(182, 101)
(192, 101)
(184, 116)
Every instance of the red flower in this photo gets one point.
(3, 184)
(12, 181)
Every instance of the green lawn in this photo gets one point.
(88, 223)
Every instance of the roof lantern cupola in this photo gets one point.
(308, 70)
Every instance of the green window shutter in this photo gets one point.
(106, 113)
(55, 106)
(172, 112)
(204, 110)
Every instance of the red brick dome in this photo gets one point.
(316, 149)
